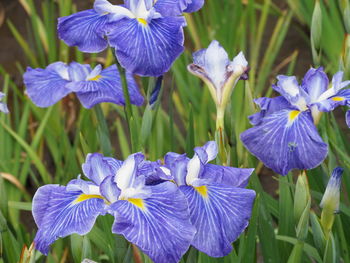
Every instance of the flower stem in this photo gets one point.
(220, 135)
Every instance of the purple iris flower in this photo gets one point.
(284, 135)
(154, 217)
(220, 207)
(3, 106)
(147, 35)
(47, 86)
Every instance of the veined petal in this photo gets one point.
(78, 72)
(97, 167)
(194, 6)
(107, 87)
(315, 83)
(109, 189)
(231, 176)
(45, 87)
(171, 7)
(289, 88)
(158, 225)
(59, 213)
(85, 29)
(220, 214)
(148, 49)
(268, 106)
(338, 82)
(177, 164)
(103, 7)
(339, 99)
(285, 140)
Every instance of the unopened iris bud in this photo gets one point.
(3, 106)
(330, 200)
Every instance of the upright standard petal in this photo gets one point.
(97, 167)
(289, 88)
(148, 49)
(85, 29)
(47, 86)
(107, 87)
(158, 225)
(285, 140)
(59, 213)
(315, 83)
(220, 214)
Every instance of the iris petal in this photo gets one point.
(170, 7)
(148, 50)
(160, 227)
(85, 29)
(59, 213)
(107, 88)
(285, 140)
(194, 6)
(220, 216)
(315, 83)
(97, 167)
(45, 87)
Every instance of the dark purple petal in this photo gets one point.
(286, 140)
(220, 214)
(59, 213)
(108, 88)
(151, 49)
(47, 86)
(85, 29)
(159, 225)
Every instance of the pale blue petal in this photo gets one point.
(59, 213)
(45, 87)
(148, 50)
(85, 29)
(315, 83)
(108, 88)
(219, 217)
(286, 140)
(162, 229)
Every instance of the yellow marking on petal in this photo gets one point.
(293, 115)
(137, 202)
(96, 78)
(142, 21)
(202, 190)
(84, 197)
(338, 98)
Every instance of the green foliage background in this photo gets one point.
(41, 146)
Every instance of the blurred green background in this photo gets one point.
(40, 146)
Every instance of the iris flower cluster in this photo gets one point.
(47, 86)
(284, 135)
(161, 208)
(147, 35)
